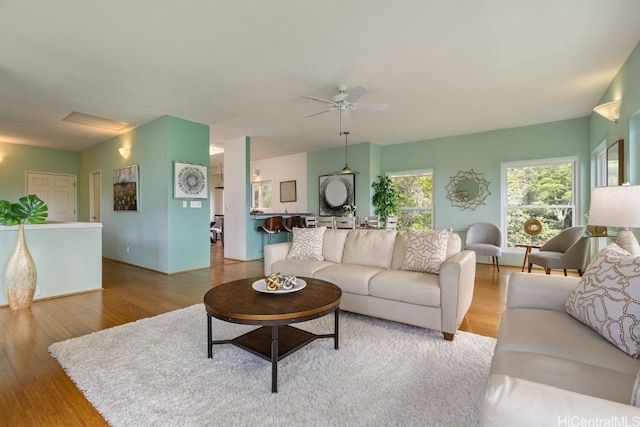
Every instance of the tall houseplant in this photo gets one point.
(20, 277)
(385, 198)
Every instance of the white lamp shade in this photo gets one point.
(615, 206)
(609, 110)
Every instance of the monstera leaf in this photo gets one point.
(31, 209)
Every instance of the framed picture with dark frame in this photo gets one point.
(615, 163)
(335, 191)
(189, 181)
(288, 191)
(126, 189)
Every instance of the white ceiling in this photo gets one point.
(243, 67)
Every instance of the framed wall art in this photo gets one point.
(615, 164)
(288, 191)
(126, 189)
(189, 181)
(335, 192)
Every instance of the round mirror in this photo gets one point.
(467, 190)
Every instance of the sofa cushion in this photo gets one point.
(552, 348)
(426, 250)
(307, 244)
(299, 267)
(351, 278)
(373, 248)
(607, 298)
(333, 245)
(406, 286)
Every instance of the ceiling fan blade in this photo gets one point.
(345, 114)
(377, 107)
(355, 94)
(321, 112)
(315, 98)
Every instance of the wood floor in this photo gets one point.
(35, 391)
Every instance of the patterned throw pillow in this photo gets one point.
(607, 298)
(426, 250)
(307, 244)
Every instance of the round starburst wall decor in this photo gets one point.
(468, 190)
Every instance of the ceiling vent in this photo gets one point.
(98, 122)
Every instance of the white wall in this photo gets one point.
(285, 168)
(236, 212)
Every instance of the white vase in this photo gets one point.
(349, 214)
(20, 276)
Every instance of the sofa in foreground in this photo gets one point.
(418, 278)
(568, 347)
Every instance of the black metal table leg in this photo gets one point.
(209, 337)
(335, 331)
(274, 359)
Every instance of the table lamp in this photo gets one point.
(617, 207)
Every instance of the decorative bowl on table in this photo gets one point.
(278, 283)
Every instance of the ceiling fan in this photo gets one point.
(346, 102)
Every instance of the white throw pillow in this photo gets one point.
(426, 250)
(607, 298)
(307, 244)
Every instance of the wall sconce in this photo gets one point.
(255, 172)
(609, 110)
(124, 152)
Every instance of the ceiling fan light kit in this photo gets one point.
(346, 170)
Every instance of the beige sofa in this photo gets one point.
(366, 265)
(550, 369)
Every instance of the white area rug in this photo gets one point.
(156, 372)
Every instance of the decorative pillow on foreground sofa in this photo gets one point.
(607, 298)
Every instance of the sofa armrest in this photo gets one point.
(275, 252)
(511, 401)
(457, 280)
(529, 290)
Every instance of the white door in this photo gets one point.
(95, 196)
(58, 192)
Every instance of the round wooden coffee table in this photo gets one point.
(238, 302)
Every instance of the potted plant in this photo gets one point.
(385, 198)
(20, 277)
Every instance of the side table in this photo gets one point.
(527, 251)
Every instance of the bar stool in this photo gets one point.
(271, 226)
(290, 223)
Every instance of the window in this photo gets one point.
(415, 189)
(260, 194)
(542, 190)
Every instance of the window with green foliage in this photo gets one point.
(260, 194)
(415, 190)
(542, 190)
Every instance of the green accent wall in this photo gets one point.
(18, 159)
(162, 236)
(482, 152)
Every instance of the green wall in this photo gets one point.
(18, 159)
(625, 86)
(162, 236)
(482, 152)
